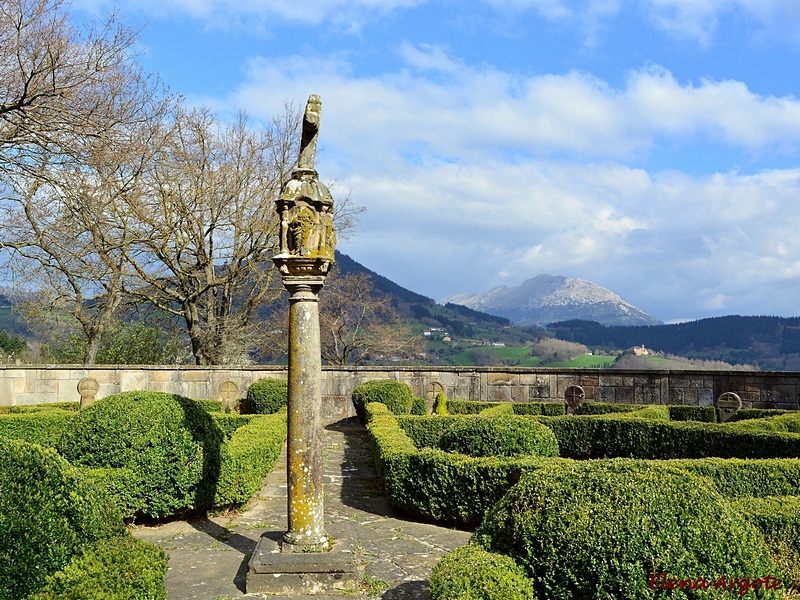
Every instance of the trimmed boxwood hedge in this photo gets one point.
(608, 436)
(706, 414)
(48, 512)
(473, 573)
(468, 407)
(35, 408)
(787, 422)
(759, 413)
(119, 568)
(447, 487)
(229, 422)
(248, 457)
(604, 408)
(604, 529)
(419, 406)
(42, 427)
(396, 396)
(778, 519)
(737, 478)
(552, 409)
(170, 443)
(499, 436)
(266, 396)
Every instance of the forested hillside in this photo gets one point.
(765, 342)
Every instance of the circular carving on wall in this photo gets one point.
(434, 387)
(574, 397)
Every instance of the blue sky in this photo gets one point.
(649, 146)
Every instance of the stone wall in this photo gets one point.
(45, 384)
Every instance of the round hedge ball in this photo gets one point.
(169, 442)
(472, 573)
(48, 513)
(625, 529)
(266, 396)
(397, 396)
(504, 435)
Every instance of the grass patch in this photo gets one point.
(586, 362)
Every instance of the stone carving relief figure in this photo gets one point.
(303, 231)
(305, 205)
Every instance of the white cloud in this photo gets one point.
(468, 112)
(342, 14)
(496, 177)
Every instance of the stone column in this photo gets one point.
(305, 252)
(304, 442)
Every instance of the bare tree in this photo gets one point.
(76, 117)
(555, 350)
(206, 226)
(61, 87)
(357, 324)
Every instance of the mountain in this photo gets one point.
(380, 284)
(551, 298)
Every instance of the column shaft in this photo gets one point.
(304, 442)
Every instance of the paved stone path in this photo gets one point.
(208, 557)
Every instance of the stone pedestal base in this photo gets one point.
(271, 571)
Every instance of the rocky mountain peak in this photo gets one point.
(549, 298)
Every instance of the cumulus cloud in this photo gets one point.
(498, 177)
(349, 15)
(466, 110)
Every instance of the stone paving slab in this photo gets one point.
(209, 556)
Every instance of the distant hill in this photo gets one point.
(380, 284)
(550, 298)
(769, 343)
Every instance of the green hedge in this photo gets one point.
(169, 442)
(474, 407)
(44, 428)
(229, 423)
(625, 435)
(706, 414)
(787, 422)
(608, 436)
(397, 397)
(607, 529)
(419, 406)
(248, 457)
(473, 573)
(467, 407)
(451, 488)
(266, 396)
(504, 435)
(426, 431)
(121, 485)
(604, 408)
(778, 519)
(212, 406)
(48, 513)
(736, 478)
(35, 408)
(552, 409)
(120, 568)
(759, 413)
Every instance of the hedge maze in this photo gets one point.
(622, 502)
(70, 481)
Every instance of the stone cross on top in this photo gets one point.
(305, 208)
(308, 143)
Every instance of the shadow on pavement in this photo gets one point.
(360, 487)
(408, 590)
(240, 543)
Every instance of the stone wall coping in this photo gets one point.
(410, 369)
